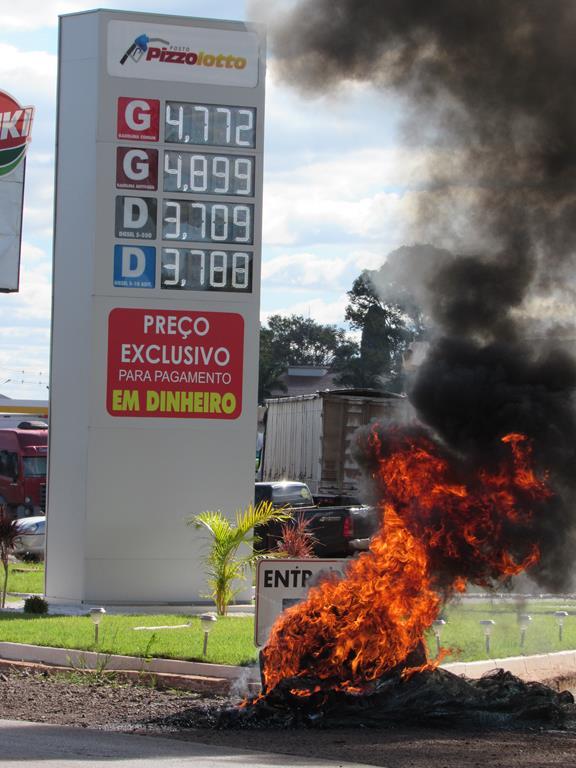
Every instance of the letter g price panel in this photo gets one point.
(187, 160)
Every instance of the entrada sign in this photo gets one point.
(15, 132)
(282, 583)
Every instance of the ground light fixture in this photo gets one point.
(206, 622)
(524, 620)
(560, 616)
(437, 625)
(487, 625)
(97, 614)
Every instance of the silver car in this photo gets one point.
(31, 537)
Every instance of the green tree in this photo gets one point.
(271, 367)
(389, 318)
(225, 565)
(296, 340)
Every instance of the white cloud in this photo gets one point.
(367, 259)
(37, 14)
(32, 255)
(34, 14)
(33, 301)
(28, 75)
(306, 214)
(319, 309)
(306, 270)
(358, 171)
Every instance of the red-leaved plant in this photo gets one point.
(296, 540)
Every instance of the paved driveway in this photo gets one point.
(41, 746)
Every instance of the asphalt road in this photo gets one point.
(41, 746)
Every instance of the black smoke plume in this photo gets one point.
(489, 88)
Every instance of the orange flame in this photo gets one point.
(437, 533)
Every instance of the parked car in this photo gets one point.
(31, 538)
(339, 531)
(284, 493)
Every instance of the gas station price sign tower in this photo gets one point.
(156, 298)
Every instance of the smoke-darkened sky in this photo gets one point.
(488, 84)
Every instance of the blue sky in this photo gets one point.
(338, 189)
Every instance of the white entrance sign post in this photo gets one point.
(282, 583)
(156, 299)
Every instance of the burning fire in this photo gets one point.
(443, 526)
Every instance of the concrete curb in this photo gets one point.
(221, 678)
(65, 657)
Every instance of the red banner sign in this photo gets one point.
(175, 364)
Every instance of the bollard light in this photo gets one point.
(560, 616)
(97, 614)
(206, 622)
(524, 620)
(437, 625)
(488, 625)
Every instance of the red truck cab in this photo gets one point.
(23, 464)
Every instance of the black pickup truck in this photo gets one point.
(339, 531)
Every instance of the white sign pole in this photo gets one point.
(156, 299)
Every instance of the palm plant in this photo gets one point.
(9, 530)
(225, 565)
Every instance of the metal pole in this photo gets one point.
(205, 643)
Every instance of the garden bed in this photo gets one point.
(189, 716)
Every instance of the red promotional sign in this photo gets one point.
(138, 119)
(175, 364)
(15, 128)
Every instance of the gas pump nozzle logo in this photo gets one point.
(140, 46)
(172, 54)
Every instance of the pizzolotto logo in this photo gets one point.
(15, 132)
(141, 48)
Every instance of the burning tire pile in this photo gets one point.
(431, 697)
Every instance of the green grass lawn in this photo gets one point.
(25, 577)
(465, 636)
(231, 640)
